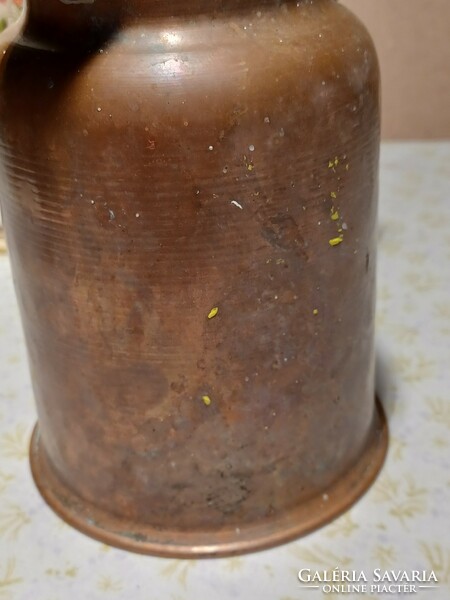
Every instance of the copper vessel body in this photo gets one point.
(189, 196)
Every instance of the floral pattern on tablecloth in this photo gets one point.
(402, 523)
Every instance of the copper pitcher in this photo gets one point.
(189, 196)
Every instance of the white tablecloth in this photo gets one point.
(401, 524)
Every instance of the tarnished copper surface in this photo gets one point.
(190, 206)
(224, 541)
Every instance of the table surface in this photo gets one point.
(402, 523)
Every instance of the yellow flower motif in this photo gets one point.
(68, 572)
(5, 479)
(439, 410)
(8, 579)
(434, 220)
(14, 444)
(397, 448)
(381, 319)
(385, 489)
(384, 293)
(234, 564)
(12, 520)
(414, 369)
(438, 560)
(345, 526)
(384, 556)
(392, 228)
(391, 247)
(269, 570)
(403, 334)
(179, 569)
(440, 443)
(404, 498)
(421, 281)
(442, 310)
(417, 258)
(108, 584)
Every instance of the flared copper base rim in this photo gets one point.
(143, 539)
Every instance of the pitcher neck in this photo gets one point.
(83, 23)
